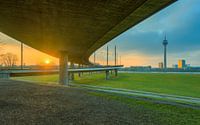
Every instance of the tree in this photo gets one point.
(8, 59)
(1, 44)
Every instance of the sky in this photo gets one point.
(31, 56)
(141, 45)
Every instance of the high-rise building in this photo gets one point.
(160, 65)
(165, 43)
(181, 64)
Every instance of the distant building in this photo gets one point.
(188, 66)
(175, 66)
(140, 68)
(160, 65)
(182, 64)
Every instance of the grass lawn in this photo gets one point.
(177, 84)
(161, 113)
(42, 78)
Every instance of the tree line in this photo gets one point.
(7, 60)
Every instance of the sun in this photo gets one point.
(47, 61)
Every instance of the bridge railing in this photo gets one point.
(5, 74)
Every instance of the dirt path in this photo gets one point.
(23, 103)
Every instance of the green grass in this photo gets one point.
(162, 114)
(177, 84)
(42, 78)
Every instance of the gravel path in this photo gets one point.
(23, 103)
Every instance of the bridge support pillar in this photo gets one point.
(72, 74)
(63, 73)
(107, 74)
(82, 67)
(116, 72)
(79, 66)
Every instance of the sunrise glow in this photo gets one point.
(47, 61)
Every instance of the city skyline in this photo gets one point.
(142, 44)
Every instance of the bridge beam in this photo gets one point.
(63, 73)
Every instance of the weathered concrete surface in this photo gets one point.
(63, 70)
(76, 26)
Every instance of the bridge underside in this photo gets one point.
(75, 27)
(78, 27)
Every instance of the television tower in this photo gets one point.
(165, 43)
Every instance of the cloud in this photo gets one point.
(180, 22)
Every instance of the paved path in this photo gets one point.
(175, 98)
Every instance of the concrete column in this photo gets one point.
(115, 55)
(63, 73)
(116, 72)
(79, 66)
(107, 57)
(82, 66)
(72, 74)
(107, 74)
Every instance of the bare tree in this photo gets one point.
(1, 44)
(8, 59)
